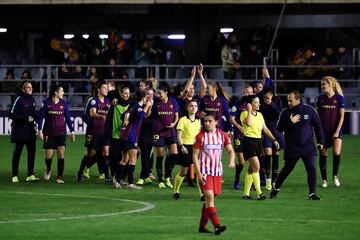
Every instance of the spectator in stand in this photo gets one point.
(116, 44)
(10, 85)
(64, 74)
(231, 57)
(344, 58)
(112, 72)
(216, 45)
(145, 55)
(252, 56)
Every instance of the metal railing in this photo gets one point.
(286, 77)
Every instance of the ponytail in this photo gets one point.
(221, 91)
(334, 84)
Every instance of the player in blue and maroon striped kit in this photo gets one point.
(217, 103)
(270, 108)
(54, 113)
(331, 108)
(96, 140)
(129, 136)
(236, 110)
(165, 112)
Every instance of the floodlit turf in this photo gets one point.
(95, 210)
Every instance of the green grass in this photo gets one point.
(94, 210)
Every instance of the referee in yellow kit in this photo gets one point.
(254, 124)
(187, 129)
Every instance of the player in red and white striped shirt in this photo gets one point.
(207, 152)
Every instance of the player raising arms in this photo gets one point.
(331, 109)
(216, 101)
(207, 152)
(52, 130)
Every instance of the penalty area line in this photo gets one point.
(146, 206)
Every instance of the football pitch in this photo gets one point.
(95, 210)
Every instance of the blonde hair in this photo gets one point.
(220, 91)
(333, 82)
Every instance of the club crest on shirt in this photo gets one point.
(61, 107)
(335, 101)
(218, 104)
(171, 106)
(306, 117)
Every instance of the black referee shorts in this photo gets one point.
(252, 147)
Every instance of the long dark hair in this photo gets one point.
(54, 89)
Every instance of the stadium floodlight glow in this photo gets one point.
(86, 36)
(68, 36)
(103, 36)
(176, 36)
(3, 30)
(226, 30)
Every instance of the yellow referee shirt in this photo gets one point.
(189, 128)
(256, 126)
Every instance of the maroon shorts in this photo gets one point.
(213, 183)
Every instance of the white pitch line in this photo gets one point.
(337, 221)
(147, 206)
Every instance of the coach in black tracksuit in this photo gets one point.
(298, 122)
(23, 131)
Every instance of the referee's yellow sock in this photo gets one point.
(256, 179)
(248, 183)
(178, 181)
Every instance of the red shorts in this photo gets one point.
(213, 183)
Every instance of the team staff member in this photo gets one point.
(207, 152)
(331, 109)
(187, 129)
(114, 122)
(23, 132)
(270, 108)
(52, 130)
(254, 124)
(236, 110)
(298, 122)
(166, 116)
